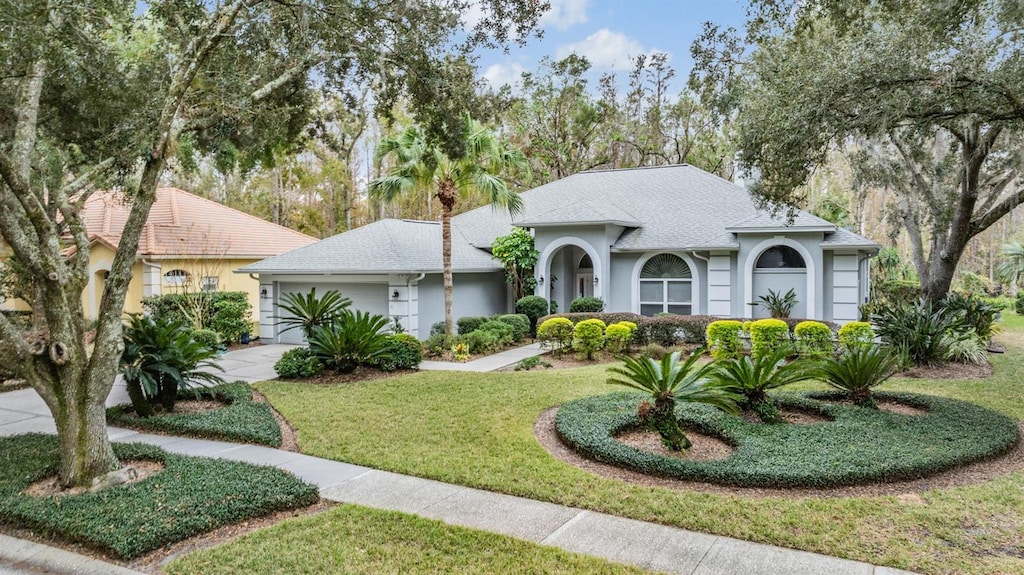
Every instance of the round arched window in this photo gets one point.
(666, 285)
(780, 257)
(176, 277)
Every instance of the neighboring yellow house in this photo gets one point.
(189, 244)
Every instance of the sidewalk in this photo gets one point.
(488, 363)
(646, 545)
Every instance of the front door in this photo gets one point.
(585, 285)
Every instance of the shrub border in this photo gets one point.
(243, 420)
(589, 425)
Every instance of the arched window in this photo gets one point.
(780, 257)
(666, 285)
(586, 263)
(176, 277)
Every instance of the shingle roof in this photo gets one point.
(183, 224)
(801, 221)
(386, 246)
(581, 212)
(844, 238)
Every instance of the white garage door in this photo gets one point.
(372, 298)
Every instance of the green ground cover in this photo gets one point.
(477, 430)
(242, 420)
(192, 495)
(353, 539)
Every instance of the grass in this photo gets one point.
(242, 420)
(477, 430)
(353, 539)
(192, 495)
(858, 445)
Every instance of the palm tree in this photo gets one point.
(1012, 267)
(422, 165)
(670, 381)
(754, 377)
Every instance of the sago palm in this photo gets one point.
(419, 165)
(307, 312)
(753, 377)
(859, 370)
(670, 381)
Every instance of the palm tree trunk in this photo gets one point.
(447, 195)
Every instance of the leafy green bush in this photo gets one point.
(558, 331)
(977, 314)
(226, 313)
(308, 312)
(654, 351)
(813, 340)
(858, 370)
(520, 325)
(1018, 305)
(857, 446)
(723, 338)
(299, 362)
(971, 349)
(193, 495)
(437, 328)
(242, 419)
(753, 377)
(402, 351)
(670, 382)
(470, 323)
(767, 336)
(923, 331)
(586, 305)
(617, 336)
(231, 319)
(896, 292)
(588, 337)
(856, 334)
(161, 359)
(207, 337)
(504, 332)
(481, 341)
(533, 307)
(778, 305)
(438, 344)
(528, 363)
(353, 339)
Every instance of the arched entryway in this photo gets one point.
(780, 268)
(569, 268)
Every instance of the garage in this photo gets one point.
(367, 297)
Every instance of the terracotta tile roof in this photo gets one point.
(183, 224)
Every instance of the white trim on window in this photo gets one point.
(694, 279)
(812, 273)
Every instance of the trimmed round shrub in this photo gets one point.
(617, 337)
(586, 305)
(207, 337)
(404, 352)
(299, 362)
(481, 341)
(767, 336)
(470, 323)
(859, 445)
(813, 340)
(557, 330)
(723, 338)
(588, 337)
(533, 307)
(519, 323)
(856, 333)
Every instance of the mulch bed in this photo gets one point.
(703, 447)
(289, 437)
(51, 487)
(544, 431)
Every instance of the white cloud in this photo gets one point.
(606, 49)
(497, 75)
(565, 14)
(472, 16)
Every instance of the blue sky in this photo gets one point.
(611, 32)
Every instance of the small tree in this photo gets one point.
(517, 254)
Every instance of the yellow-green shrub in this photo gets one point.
(724, 339)
(557, 330)
(588, 337)
(856, 333)
(617, 336)
(813, 339)
(767, 335)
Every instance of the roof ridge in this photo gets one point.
(683, 165)
(227, 207)
(173, 201)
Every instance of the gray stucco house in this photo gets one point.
(647, 240)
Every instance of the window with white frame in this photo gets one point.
(780, 258)
(210, 283)
(176, 277)
(666, 285)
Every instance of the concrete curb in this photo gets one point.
(19, 556)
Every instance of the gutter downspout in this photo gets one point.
(408, 291)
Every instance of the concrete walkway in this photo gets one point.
(488, 363)
(647, 545)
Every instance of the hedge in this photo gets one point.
(723, 337)
(228, 312)
(767, 335)
(813, 340)
(243, 419)
(858, 446)
(193, 495)
(298, 363)
(856, 333)
(404, 351)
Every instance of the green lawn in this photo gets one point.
(476, 430)
(352, 539)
